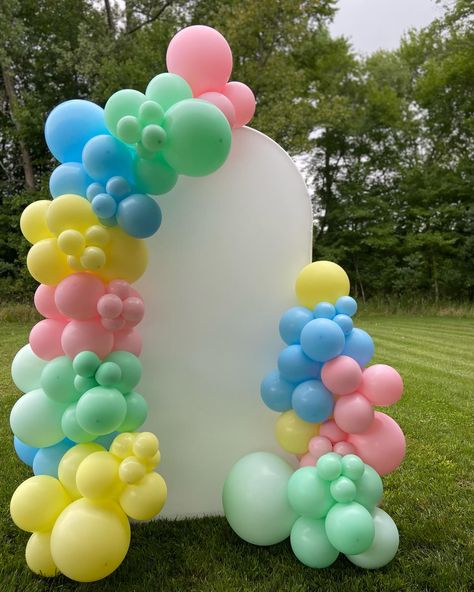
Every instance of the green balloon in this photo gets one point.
(57, 380)
(343, 489)
(255, 499)
(308, 494)
(101, 410)
(310, 543)
(72, 429)
(350, 528)
(126, 102)
(86, 363)
(130, 367)
(199, 137)
(329, 466)
(154, 176)
(137, 411)
(108, 374)
(168, 89)
(385, 544)
(352, 466)
(83, 383)
(369, 488)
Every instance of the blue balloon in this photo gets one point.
(104, 205)
(292, 323)
(106, 440)
(346, 305)
(322, 340)
(139, 215)
(345, 322)
(104, 157)
(295, 366)
(69, 178)
(47, 460)
(312, 401)
(360, 346)
(276, 391)
(25, 453)
(70, 126)
(324, 310)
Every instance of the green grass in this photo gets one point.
(429, 496)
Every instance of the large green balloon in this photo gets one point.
(71, 427)
(101, 410)
(137, 411)
(310, 543)
(26, 369)
(154, 176)
(199, 137)
(255, 499)
(57, 380)
(131, 368)
(369, 488)
(350, 528)
(384, 546)
(123, 103)
(308, 494)
(168, 89)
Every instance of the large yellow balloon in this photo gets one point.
(38, 555)
(321, 281)
(37, 502)
(144, 499)
(293, 433)
(98, 476)
(70, 211)
(90, 540)
(70, 462)
(46, 263)
(33, 221)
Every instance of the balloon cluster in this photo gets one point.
(78, 520)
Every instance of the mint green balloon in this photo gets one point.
(154, 176)
(86, 363)
(101, 410)
(384, 546)
(369, 488)
(255, 499)
(57, 380)
(130, 367)
(329, 466)
(168, 89)
(352, 466)
(84, 383)
(350, 528)
(199, 137)
(108, 374)
(308, 494)
(310, 543)
(137, 411)
(123, 103)
(26, 369)
(71, 427)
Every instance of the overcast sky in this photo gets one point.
(379, 24)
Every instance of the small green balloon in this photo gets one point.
(153, 137)
(72, 429)
(123, 103)
(153, 175)
(384, 546)
(83, 383)
(130, 367)
(199, 137)
(168, 89)
(57, 380)
(369, 488)
(108, 374)
(350, 528)
(128, 129)
(310, 543)
(101, 410)
(137, 411)
(86, 363)
(329, 466)
(150, 112)
(308, 494)
(352, 466)
(343, 490)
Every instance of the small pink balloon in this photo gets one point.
(120, 288)
(381, 384)
(318, 446)
(353, 413)
(86, 336)
(330, 430)
(45, 338)
(342, 375)
(77, 295)
(133, 309)
(382, 446)
(222, 103)
(113, 324)
(201, 56)
(243, 100)
(44, 302)
(128, 340)
(307, 460)
(344, 448)
(109, 306)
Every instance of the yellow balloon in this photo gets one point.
(146, 445)
(293, 433)
(38, 555)
(70, 211)
(122, 446)
(145, 499)
(97, 476)
(33, 221)
(321, 281)
(131, 470)
(46, 263)
(70, 462)
(127, 257)
(37, 502)
(90, 539)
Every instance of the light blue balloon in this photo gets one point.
(292, 323)
(276, 391)
(295, 366)
(104, 157)
(104, 205)
(47, 459)
(345, 322)
(70, 126)
(322, 340)
(324, 310)
(346, 305)
(139, 215)
(69, 178)
(360, 346)
(312, 401)
(25, 453)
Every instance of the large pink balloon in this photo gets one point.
(86, 336)
(382, 446)
(341, 375)
(128, 340)
(381, 384)
(77, 296)
(243, 100)
(45, 338)
(45, 304)
(353, 413)
(201, 56)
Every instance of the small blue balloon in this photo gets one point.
(118, 187)
(106, 440)
(345, 322)
(295, 366)
(70, 126)
(47, 459)
(104, 157)
(360, 346)
(312, 401)
(104, 205)
(69, 178)
(324, 310)
(322, 340)
(276, 391)
(25, 453)
(292, 323)
(139, 215)
(346, 305)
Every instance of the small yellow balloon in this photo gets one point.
(122, 446)
(145, 499)
(321, 281)
(46, 263)
(37, 502)
(146, 445)
(97, 235)
(33, 221)
(38, 555)
(293, 433)
(97, 476)
(70, 462)
(131, 470)
(71, 242)
(90, 540)
(70, 211)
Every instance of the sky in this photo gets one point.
(379, 24)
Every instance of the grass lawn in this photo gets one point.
(429, 496)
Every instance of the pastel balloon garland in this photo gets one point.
(76, 423)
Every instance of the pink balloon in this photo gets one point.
(133, 310)
(342, 375)
(120, 288)
(243, 100)
(201, 56)
(86, 336)
(381, 384)
(109, 306)
(222, 103)
(330, 430)
(77, 295)
(344, 448)
(318, 446)
(382, 446)
(44, 302)
(307, 460)
(113, 324)
(128, 340)
(45, 338)
(353, 413)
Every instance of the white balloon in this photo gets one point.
(385, 545)
(26, 369)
